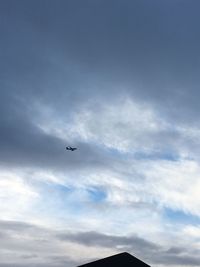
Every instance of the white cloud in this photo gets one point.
(137, 189)
(16, 196)
(123, 124)
(175, 184)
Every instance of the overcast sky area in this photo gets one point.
(119, 80)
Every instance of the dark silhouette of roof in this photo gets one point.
(119, 260)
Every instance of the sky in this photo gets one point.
(119, 80)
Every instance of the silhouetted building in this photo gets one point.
(119, 260)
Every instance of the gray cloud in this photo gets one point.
(65, 54)
(97, 239)
(144, 46)
(146, 250)
(61, 263)
(27, 249)
(24, 144)
(24, 243)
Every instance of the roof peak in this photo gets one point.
(117, 260)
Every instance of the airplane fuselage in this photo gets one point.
(71, 148)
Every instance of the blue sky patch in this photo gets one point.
(180, 217)
(157, 156)
(96, 194)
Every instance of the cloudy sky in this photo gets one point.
(119, 79)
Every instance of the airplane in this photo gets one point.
(71, 148)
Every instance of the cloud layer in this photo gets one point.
(119, 80)
(24, 244)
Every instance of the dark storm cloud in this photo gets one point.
(149, 47)
(63, 54)
(31, 74)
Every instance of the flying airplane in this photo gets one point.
(71, 148)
